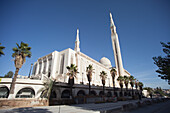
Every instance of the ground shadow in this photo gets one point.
(29, 110)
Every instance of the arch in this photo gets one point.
(115, 93)
(25, 93)
(53, 94)
(4, 92)
(93, 93)
(65, 94)
(125, 94)
(129, 94)
(101, 93)
(120, 94)
(81, 93)
(109, 94)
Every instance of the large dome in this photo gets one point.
(106, 62)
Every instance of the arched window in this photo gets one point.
(65, 94)
(115, 93)
(109, 94)
(125, 94)
(101, 93)
(129, 94)
(120, 94)
(25, 93)
(93, 93)
(81, 93)
(4, 92)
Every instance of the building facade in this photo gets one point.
(54, 66)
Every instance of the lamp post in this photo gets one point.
(30, 70)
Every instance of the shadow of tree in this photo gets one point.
(29, 110)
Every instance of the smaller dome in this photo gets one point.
(106, 62)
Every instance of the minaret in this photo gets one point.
(116, 48)
(77, 42)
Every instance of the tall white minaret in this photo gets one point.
(77, 42)
(116, 48)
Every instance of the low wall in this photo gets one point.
(23, 102)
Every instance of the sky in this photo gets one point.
(49, 25)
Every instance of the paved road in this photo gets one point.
(155, 108)
(82, 108)
(79, 108)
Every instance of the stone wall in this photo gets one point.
(23, 102)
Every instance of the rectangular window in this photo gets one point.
(45, 65)
(34, 69)
(49, 66)
(40, 65)
(62, 64)
(72, 59)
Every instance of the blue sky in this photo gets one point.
(49, 25)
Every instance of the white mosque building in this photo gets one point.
(54, 66)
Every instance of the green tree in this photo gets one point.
(89, 71)
(1, 50)
(72, 74)
(47, 89)
(132, 81)
(159, 91)
(141, 86)
(136, 84)
(126, 82)
(149, 90)
(113, 74)
(163, 63)
(103, 76)
(120, 79)
(20, 53)
(9, 74)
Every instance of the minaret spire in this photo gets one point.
(116, 48)
(77, 42)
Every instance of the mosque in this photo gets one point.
(54, 66)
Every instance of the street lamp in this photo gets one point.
(30, 70)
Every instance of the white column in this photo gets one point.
(53, 65)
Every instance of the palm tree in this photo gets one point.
(126, 82)
(46, 90)
(140, 86)
(132, 79)
(103, 76)
(72, 74)
(136, 84)
(20, 53)
(113, 74)
(89, 71)
(121, 79)
(1, 48)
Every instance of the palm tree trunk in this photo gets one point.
(126, 91)
(89, 88)
(113, 88)
(103, 90)
(132, 91)
(71, 94)
(13, 82)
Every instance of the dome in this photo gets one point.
(106, 62)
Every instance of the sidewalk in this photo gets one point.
(78, 108)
